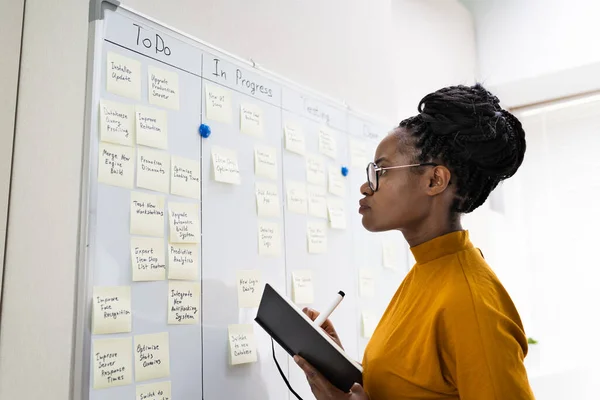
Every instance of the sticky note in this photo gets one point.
(294, 139)
(337, 184)
(116, 165)
(163, 88)
(184, 223)
(147, 214)
(111, 359)
(183, 261)
(218, 104)
(184, 303)
(317, 201)
(265, 162)
(249, 285)
(151, 356)
(315, 170)
(225, 165)
(123, 76)
(117, 123)
(269, 242)
(111, 309)
(154, 391)
(316, 233)
(251, 119)
(327, 143)
(366, 283)
(153, 170)
(296, 197)
(151, 127)
(391, 258)
(148, 259)
(302, 287)
(358, 153)
(369, 323)
(185, 177)
(336, 212)
(267, 199)
(242, 344)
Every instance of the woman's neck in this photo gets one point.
(430, 230)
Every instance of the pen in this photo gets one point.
(327, 312)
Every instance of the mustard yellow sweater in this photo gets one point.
(451, 331)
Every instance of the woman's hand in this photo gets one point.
(327, 325)
(323, 389)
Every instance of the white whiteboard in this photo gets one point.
(199, 365)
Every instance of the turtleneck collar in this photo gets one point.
(441, 246)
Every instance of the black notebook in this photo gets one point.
(297, 334)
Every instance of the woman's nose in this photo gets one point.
(366, 189)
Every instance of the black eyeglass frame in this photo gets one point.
(377, 169)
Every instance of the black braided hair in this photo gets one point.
(465, 128)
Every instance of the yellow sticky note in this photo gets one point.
(249, 285)
(267, 199)
(369, 323)
(116, 165)
(366, 283)
(269, 242)
(183, 261)
(225, 165)
(391, 258)
(184, 303)
(337, 184)
(242, 344)
(148, 259)
(251, 119)
(151, 127)
(184, 223)
(147, 214)
(296, 197)
(154, 391)
(337, 213)
(294, 139)
(153, 170)
(327, 142)
(317, 201)
(218, 103)
(151, 356)
(117, 123)
(185, 177)
(163, 88)
(123, 76)
(358, 153)
(302, 287)
(265, 162)
(316, 233)
(111, 360)
(315, 170)
(111, 310)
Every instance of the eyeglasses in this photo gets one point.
(373, 172)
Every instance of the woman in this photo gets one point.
(451, 330)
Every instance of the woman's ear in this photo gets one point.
(439, 179)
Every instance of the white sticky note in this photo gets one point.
(185, 177)
(184, 223)
(225, 165)
(111, 309)
(327, 142)
(337, 184)
(366, 283)
(111, 360)
(147, 214)
(163, 88)
(242, 344)
(183, 261)
(151, 127)
(117, 123)
(315, 170)
(358, 153)
(153, 170)
(151, 356)
(123, 76)
(317, 201)
(148, 259)
(251, 119)
(296, 197)
(154, 391)
(391, 257)
(218, 104)
(316, 233)
(116, 165)
(269, 242)
(337, 213)
(184, 303)
(267, 199)
(302, 287)
(265, 162)
(249, 285)
(294, 139)
(369, 323)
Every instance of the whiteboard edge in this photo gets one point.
(97, 9)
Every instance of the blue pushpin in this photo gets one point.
(204, 130)
(345, 171)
